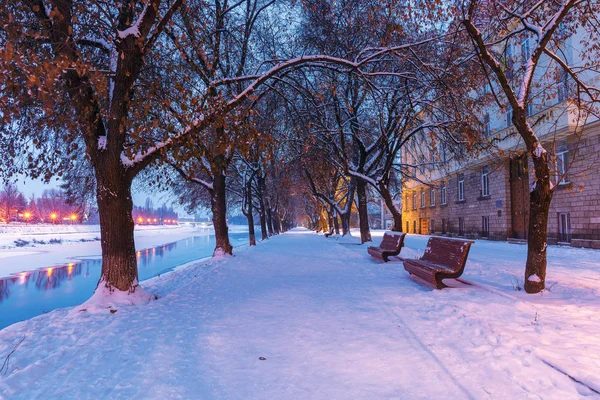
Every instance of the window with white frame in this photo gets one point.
(414, 201)
(488, 124)
(485, 183)
(562, 165)
(461, 187)
(432, 197)
(443, 192)
(422, 199)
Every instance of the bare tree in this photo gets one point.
(495, 26)
(11, 201)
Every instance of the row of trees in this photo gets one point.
(274, 106)
(52, 207)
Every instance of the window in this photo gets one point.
(414, 226)
(509, 118)
(488, 124)
(461, 187)
(563, 86)
(525, 51)
(414, 201)
(443, 193)
(508, 61)
(431, 226)
(461, 226)
(485, 227)
(564, 227)
(562, 165)
(443, 225)
(530, 109)
(422, 199)
(485, 184)
(406, 201)
(407, 226)
(432, 197)
(486, 88)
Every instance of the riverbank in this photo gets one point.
(62, 244)
(303, 317)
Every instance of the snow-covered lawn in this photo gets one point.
(303, 317)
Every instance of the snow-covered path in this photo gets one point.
(331, 323)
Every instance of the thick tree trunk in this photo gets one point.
(539, 208)
(119, 262)
(389, 202)
(363, 211)
(249, 215)
(345, 219)
(218, 204)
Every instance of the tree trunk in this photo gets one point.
(539, 208)
(119, 262)
(389, 202)
(263, 211)
(250, 216)
(336, 225)
(269, 219)
(276, 223)
(363, 211)
(218, 204)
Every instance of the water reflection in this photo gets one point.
(31, 293)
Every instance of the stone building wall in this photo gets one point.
(579, 199)
(446, 218)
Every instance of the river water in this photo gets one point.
(31, 293)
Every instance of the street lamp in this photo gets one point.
(27, 215)
(53, 217)
(73, 217)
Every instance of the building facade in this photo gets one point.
(489, 197)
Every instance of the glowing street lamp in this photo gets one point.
(53, 217)
(73, 217)
(140, 220)
(27, 215)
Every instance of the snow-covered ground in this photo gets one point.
(304, 317)
(72, 242)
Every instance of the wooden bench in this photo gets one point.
(390, 246)
(443, 258)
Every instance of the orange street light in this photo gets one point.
(140, 220)
(53, 216)
(73, 217)
(149, 220)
